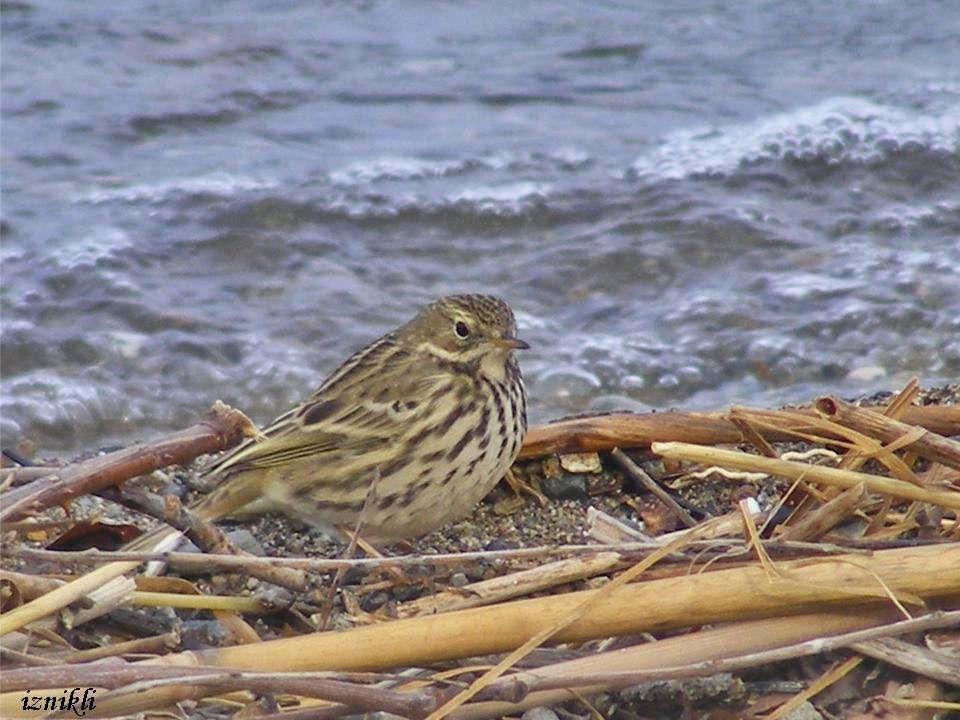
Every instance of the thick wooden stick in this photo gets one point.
(604, 432)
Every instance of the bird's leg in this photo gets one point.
(520, 486)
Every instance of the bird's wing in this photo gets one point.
(353, 412)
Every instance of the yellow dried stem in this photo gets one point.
(727, 595)
(810, 473)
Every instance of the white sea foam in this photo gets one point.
(91, 248)
(837, 130)
(220, 184)
(509, 197)
(395, 168)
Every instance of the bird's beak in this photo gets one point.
(509, 343)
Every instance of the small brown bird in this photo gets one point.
(406, 436)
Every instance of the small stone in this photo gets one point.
(587, 462)
(501, 544)
(374, 601)
(354, 576)
(197, 634)
(566, 487)
(459, 580)
(805, 711)
(407, 592)
(540, 713)
(245, 540)
(654, 468)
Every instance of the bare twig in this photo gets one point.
(638, 474)
(223, 428)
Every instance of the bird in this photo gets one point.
(406, 436)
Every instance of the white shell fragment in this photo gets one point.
(588, 462)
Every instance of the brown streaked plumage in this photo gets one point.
(410, 432)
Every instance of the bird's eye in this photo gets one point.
(461, 329)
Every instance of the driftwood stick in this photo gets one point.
(223, 427)
(930, 445)
(625, 430)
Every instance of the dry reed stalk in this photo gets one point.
(830, 514)
(27, 587)
(130, 679)
(53, 601)
(809, 473)
(234, 603)
(725, 648)
(584, 608)
(728, 648)
(727, 595)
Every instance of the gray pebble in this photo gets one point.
(565, 487)
(540, 713)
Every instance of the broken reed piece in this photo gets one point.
(824, 518)
(928, 444)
